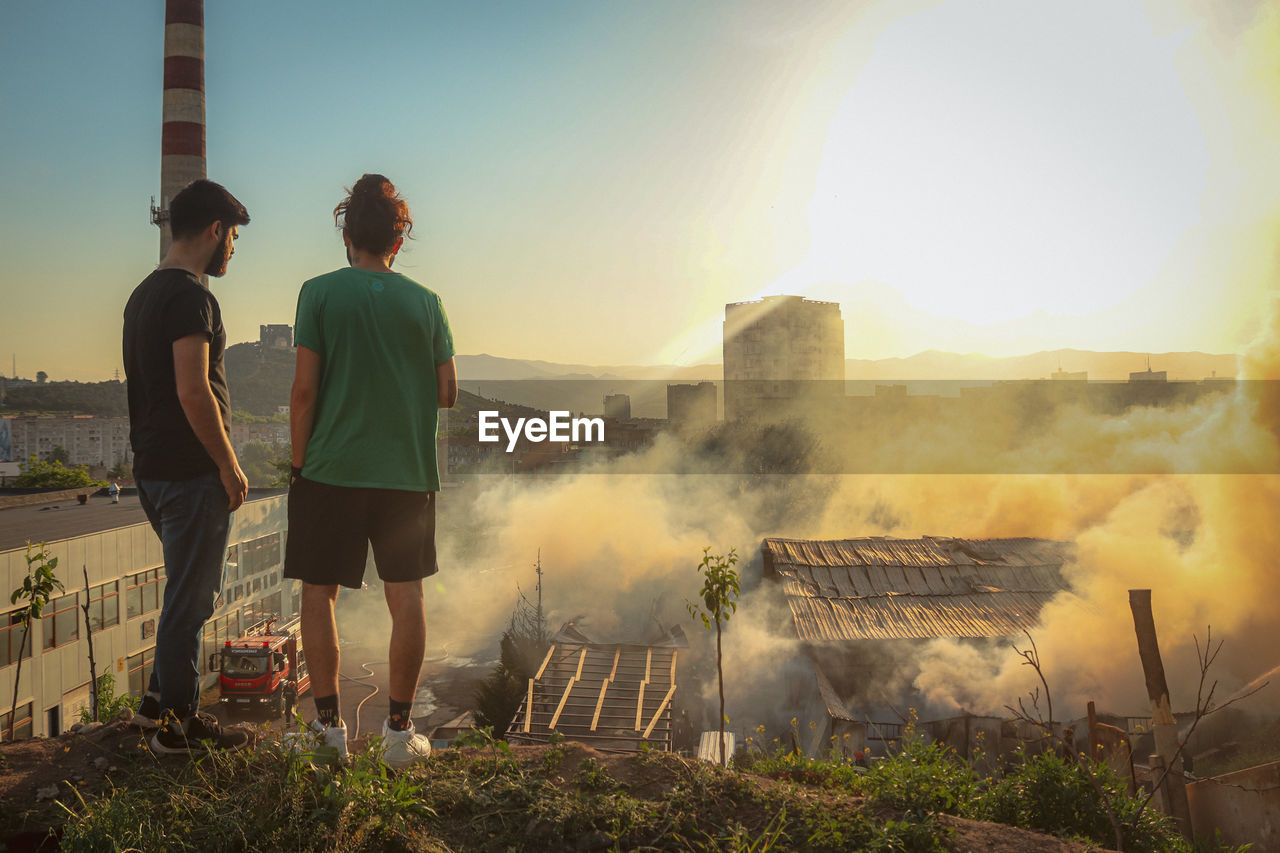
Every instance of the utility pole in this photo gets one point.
(538, 569)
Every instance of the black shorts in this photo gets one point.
(331, 527)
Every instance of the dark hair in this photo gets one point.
(200, 204)
(373, 215)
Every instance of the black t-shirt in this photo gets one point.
(169, 304)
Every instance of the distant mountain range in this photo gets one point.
(260, 377)
(929, 365)
(492, 367)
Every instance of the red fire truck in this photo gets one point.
(263, 669)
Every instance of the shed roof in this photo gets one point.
(884, 588)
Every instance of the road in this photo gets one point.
(445, 691)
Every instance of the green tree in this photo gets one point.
(264, 465)
(524, 644)
(720, 586)
(60, 454)
(41, 377)
(36, 590)
(53, 475)
(121, 471)
(283, 465)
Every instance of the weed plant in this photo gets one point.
(261, 799)
(1048, 793)
(495, 798)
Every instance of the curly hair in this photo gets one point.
(373, 215)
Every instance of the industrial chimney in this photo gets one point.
(182, 136)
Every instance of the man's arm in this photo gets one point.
(302, 403)
(191, 373)
(446, 384)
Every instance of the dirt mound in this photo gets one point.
(37, 775)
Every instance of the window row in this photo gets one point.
(60, 621)
(12, 638)
(248, 588)
(258, 555)
(22, 728)
(140, 666)
(145, 592)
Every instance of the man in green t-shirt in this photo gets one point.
(375, 363)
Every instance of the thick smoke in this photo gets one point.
(620, 546)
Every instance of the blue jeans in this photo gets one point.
(192, 521)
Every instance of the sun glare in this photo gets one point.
(993, 161)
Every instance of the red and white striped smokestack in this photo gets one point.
(182, 137)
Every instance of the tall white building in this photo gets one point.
(780, 349)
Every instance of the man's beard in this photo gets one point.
(217, 265)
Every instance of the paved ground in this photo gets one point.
(445, 691)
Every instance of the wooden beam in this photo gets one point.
(662, 707)
(556, 717)
(595, 719)
(640, 704)
(581, 659)
(545, 661)
(528, 707)
(1164, 727)
(648, 662)
(617, 652)
(673, 666)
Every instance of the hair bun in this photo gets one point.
(373, 215)
(377, 186)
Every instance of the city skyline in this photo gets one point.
(593, 184)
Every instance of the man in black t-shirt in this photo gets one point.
(188, 478)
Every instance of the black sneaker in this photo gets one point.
(198, 733)
(148, 714)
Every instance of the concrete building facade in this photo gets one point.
(617, 406)
(104, 442)
(88, 440)
(692, 406)
(279, 336)
(779, 350)
(126, 581)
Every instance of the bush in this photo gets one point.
(53, 475)
(1055, 795)
(109, 704)
(922, 776)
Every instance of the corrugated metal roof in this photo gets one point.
(880, 588)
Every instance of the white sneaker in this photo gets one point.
(403, 747)
(320, 743)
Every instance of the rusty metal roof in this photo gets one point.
(883, 588)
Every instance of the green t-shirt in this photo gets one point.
(379, 337)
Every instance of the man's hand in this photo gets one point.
(236, 485)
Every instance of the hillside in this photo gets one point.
(259, 377)
(103, 399)
(104, 790)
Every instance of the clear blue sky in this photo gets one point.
(592, 181)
